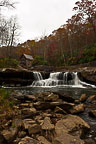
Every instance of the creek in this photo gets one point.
(67, 83)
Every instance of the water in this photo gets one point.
(67, 79)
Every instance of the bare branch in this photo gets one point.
(7, 3)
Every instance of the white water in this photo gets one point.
(59, 79)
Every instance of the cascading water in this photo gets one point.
(67, 79)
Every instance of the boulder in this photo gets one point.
(73, 125)
(64, 105)
(92, 113)
(28, 140)
(59, 110)
(67, 139)
(28, 112)
(34, 129)
(52, 97)
(78, 109)
(83, 98)
(47, 125)
(30, 97)
(91, 98)
(43, 140)
(28, 122)
(66, 97)
(10, 135)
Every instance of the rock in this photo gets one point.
(28, 112)
(43, 140)
(28, 122)
(46, 125)
(30, 97)
(21, 134)
(66, 98)
(18, 123)
(59, 110)
(83, 98)
(78, 109)
(64, 105)
(92, 113)
(33, 129)
(41, 105)
(24, 105)
(67, 139)
(73, 125)
(52, 97)
(90, 141)
(88, 76)
(28, 140)
(2, 139)
(18, 96)
(10, 135)
(91, 98)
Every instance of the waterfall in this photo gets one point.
(37, 76)
(69, 79)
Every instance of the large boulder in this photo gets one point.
(65, 138)
(73, 125)
(10, 135)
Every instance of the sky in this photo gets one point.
(40, 17)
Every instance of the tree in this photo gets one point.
(7, 3)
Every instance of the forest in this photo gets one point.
(71, 44)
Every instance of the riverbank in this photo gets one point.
(48, 118)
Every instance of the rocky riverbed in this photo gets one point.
(49, 118)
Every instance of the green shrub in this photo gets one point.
(6, 62)
(5, 100)
(39, 60)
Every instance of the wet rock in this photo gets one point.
(83, 98)
(24, 105)
(43, 140)
(47, 125)
(34, 128)
(64, 105)
(73, 125)
(41, 105)
(10, 135)
(91, 98)
(28, 112)
(28, 140)
(28, 122)
(92, 113)
(30, 97)
(66, 98)
(78, 109)
(67, 139)
(59, 110)
(52, 97)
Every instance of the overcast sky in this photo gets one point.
(41, 17)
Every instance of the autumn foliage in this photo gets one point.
(72, 43)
